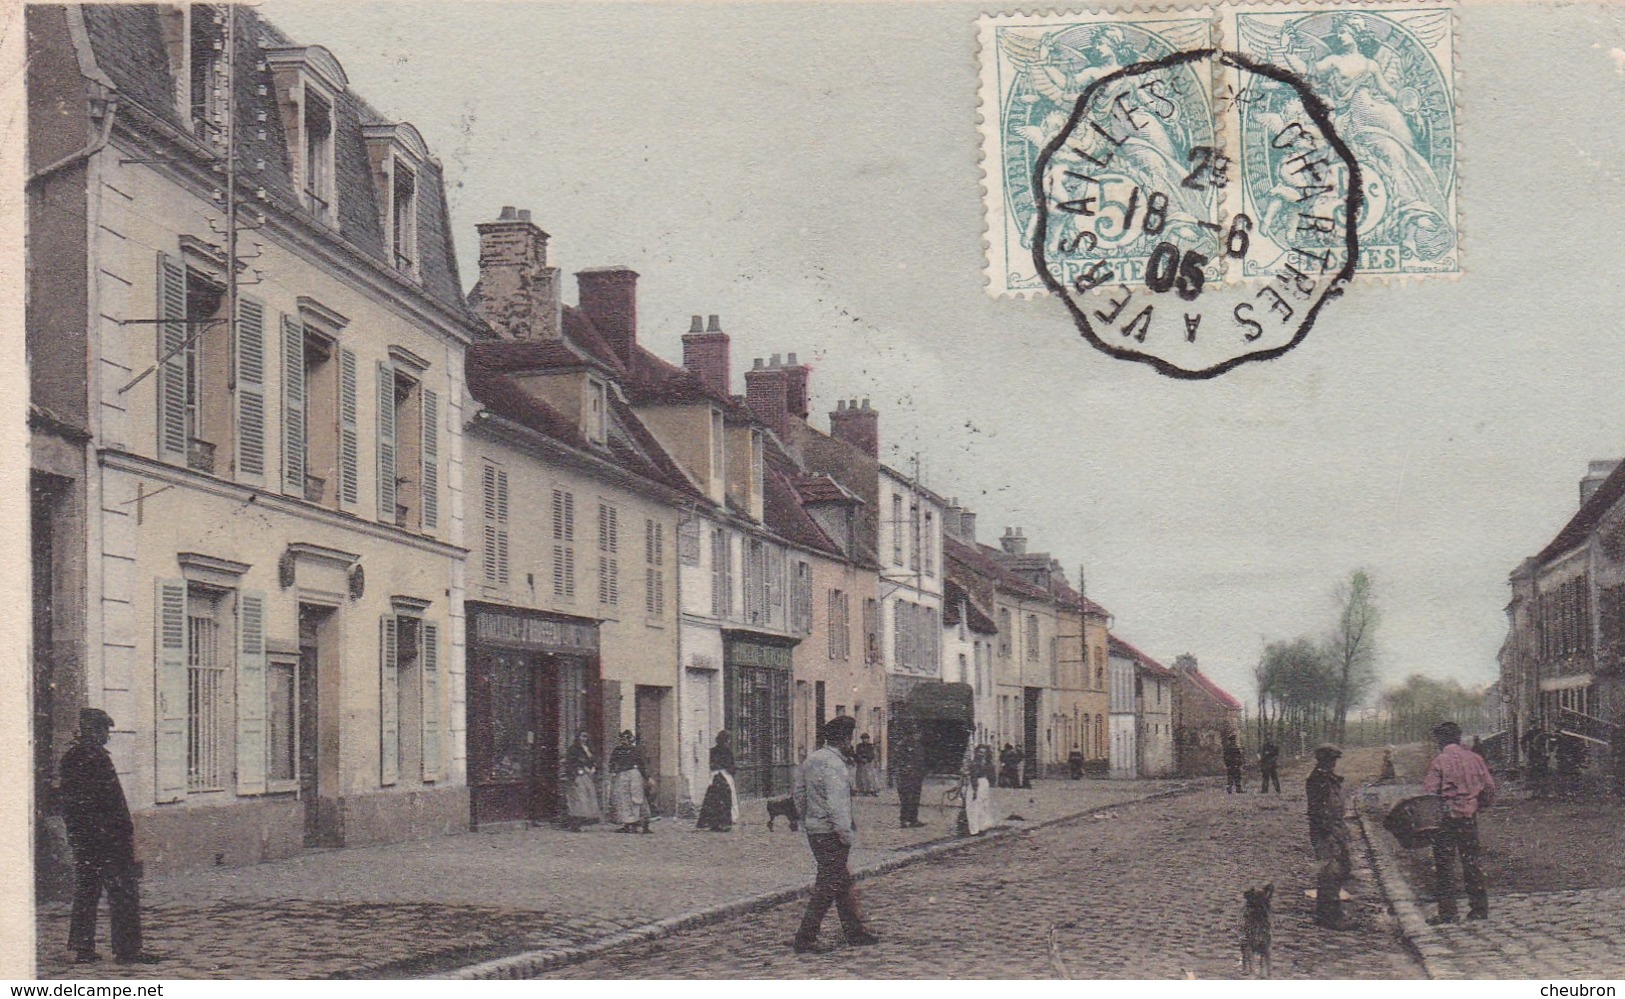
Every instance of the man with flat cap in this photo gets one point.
(1462, 779)
(1329, 835)
(823, 795)
(103, 841)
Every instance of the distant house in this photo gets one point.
(1203, 715)
(1142, 715)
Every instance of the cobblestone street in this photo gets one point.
(433, 905)
(1146, 890)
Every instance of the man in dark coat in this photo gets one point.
(1009, 766)
(1269, 766)
(910, 758)
(103, 841)
(1232, 766)
(1329, 835)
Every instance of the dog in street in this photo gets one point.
(1255, 929)
(782, 807)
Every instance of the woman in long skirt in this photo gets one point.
(581, 791)
(978, 792)
(628, 804)
(720, 809)
(868, 758)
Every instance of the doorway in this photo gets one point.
(316, 639)
(1029, 730)
(650, 722)
(702, 729)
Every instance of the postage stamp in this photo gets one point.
(1387, 76)
(1034, 69)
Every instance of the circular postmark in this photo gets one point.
(1143, 228)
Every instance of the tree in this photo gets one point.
(1296, 688)
(1352, 647)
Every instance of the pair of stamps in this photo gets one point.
(1197, 184)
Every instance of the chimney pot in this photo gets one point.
(840, 406)
(775, 362)
(694, 325)
(507, 214)
(757, 364)
(715, 326)
(524, 214)
(866, 404)
(792, 360)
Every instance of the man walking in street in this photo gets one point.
(1269, 766)
(823, 795)
(103, 841)
(1232, 766)
(910, 777)
(1461, 777)
(1329, 835)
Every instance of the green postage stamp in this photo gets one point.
(1220, 163)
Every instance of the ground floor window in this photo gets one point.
(208, 708)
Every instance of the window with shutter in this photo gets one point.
(495, 496)
(609, 585)
(293, 407)
(654, 575)
(431, 702)
(564, 536)
(251, 695)
(719, 570)
(250, 389)
(431, 460)
(386, 443)
(174, 395)
(170, 689)
(389, 733)
(349, 431)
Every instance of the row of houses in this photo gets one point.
(1562, 665)
(351, 557)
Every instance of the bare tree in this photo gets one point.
(1352, 648)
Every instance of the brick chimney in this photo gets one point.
(518, 293)
(857, 426)
(705, 352)
(609, 298)
(1596, 473)
(967, 527)
(1014, 541)
(777, 392)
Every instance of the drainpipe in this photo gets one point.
(84, 154)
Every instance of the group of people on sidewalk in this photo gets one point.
(1458, 776)
(630, 788)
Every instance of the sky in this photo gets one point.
(811, 174)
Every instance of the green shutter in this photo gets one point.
(386, 443)
(172, 390)
(431, 460)
(169, 707)
(349, 435)
(389, 728)
(251, 698)
(431, 701)
(293, 407)
(250, 388)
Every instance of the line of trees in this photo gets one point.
(1408, 712)
(1307, 686)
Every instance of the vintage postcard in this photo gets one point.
(815, 490)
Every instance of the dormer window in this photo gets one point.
(595, 417)
(317, 132)
(207, 84)
(403, 217)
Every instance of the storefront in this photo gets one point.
(756, 704)
(533, 682)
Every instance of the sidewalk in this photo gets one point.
(1557, 886)
(433, 906)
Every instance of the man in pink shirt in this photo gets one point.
(1460, 777)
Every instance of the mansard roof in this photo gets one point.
(127, 43)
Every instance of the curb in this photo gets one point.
(532, 963)
(1419, 938)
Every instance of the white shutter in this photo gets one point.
(293, 407)
(170, 689)
(172, 360)
(250, 389)
(349, 435)
(386, 443)
(431, 460)
(431, 701)
(389, 729)
(251, 699)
